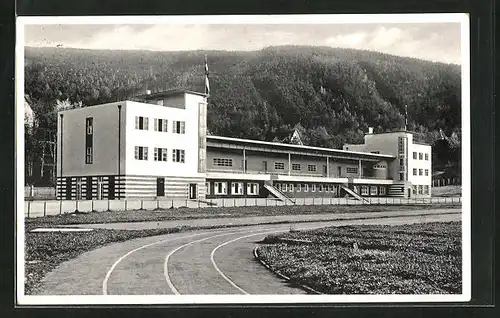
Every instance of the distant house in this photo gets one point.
(29, 115)
(290, 138)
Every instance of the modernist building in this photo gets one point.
(156, 146)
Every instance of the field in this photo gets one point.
(447, 191)
(370, 259)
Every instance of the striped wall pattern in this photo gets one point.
(126, 187)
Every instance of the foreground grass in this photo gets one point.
(405, 259)
(447, 191)
(218, 212)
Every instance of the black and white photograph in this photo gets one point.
(243, 159)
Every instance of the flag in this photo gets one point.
(207, 83)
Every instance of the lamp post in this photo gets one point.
(61, 160)
(119, 151)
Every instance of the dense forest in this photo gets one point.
(331, 95)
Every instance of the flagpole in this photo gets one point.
(207, 83)
(406, 117)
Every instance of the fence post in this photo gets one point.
(125, 205)
(109, 206)
(91, 205)
(142, 204)
(29, 204)
(44, 208)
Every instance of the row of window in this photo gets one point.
(160, 124)
(420, 189)
(420, 156)
(299, 187)
(379, 167)
(220, 188)
(370, 190)
(420, 172)
(160, 154)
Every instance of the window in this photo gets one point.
(141, 123)
(420, 172)
(331, 187)
(382, 190)
(414, 171)
(100, 182)
(252, 188)
(284, 187)
(401, 176)
(414, 189)
(306, 187)
(178, 155)
(278, 186)
(179, 127)
(296, 166)
(141, 153)
(352, 170)
(426, 156)
(373, 190)
(220, 188)
(290, 187)
(79, 188)
(160, 154)
(364, 190)
(420, 156)
(426, 189)
(88, 155)
(320, 188)
(311, 168)
(420, 189)
(160, 124)
(326, 187)
(313, 188)
(299, 187)
(223, 162)
(426, 172)
(237, 188)
(401, 145)
(89, 124)
(279, 165)
(414, 155)
(379, 167)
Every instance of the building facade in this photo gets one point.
(156, 146)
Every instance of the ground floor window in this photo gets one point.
(284, 187)
(420, 189)
(220, 188)
(237, 188)
(382, 190)
(306, 187)
(290, 187)
(364, 190)
(320, 188)
(414, 189)
(207, 184)
(252, 188)
(299, 187)
(313, 188)
(373, 190)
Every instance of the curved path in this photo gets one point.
(211, 262)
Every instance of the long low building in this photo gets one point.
(156, 146)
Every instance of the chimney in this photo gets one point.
(370, 130)
(148, 92)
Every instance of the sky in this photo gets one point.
(438, 42)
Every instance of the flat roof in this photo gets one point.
(169, 93)
(300, 147)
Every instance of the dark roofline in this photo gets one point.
(169, 93)
(299, 147)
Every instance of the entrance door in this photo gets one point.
(160, 187)
(88, 194)
(193, 191)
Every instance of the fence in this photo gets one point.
(45, 208)
(441, 182)
(39, 193)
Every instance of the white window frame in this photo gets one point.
(290, 187)
(207, 188)
(311, 168)
(320, 187)
(306, 187)
(426, 156)
(178, 127)
(223, 162)
(373, 190)
(223, 186)
(145, 123)
(415, 156)
(381, 190)
(237, 188)
(414, 189)
(138, 154)
(414, 171)
(352, 170)
(178, 155)
(420, 172)
(284, 187)
(249, 188)
(296, 166)
(426, 172)
(420, 189)
(420, 156)
(364, 190)
(298, 188)
(313, 187)
(279, 165)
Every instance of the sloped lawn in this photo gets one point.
(371, 259)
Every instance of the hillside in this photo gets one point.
(333, 95)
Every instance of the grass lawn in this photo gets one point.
(218, 212)
(404, 259)
(447, 191)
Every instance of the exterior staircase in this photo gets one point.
(354, 194)
(277, 193)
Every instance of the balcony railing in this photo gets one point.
(285, 173)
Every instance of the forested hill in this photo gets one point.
(333, 94)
